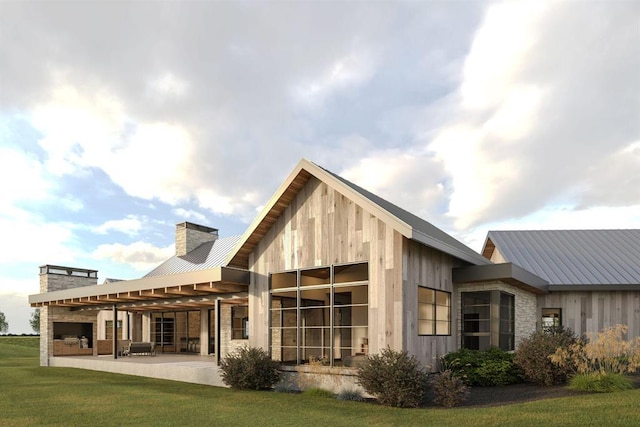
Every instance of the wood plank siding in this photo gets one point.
(585, 312)
(425, 266)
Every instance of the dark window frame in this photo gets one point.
(554, 313)
(433, 306)
(240, 322)
(498, 328)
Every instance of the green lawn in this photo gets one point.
(31, 395)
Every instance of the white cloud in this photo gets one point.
(498, 52)
(413, 181)
(351, 70)
(140, 255)
(167, 85)
(22, 178)
(130, 225)
(189, 214)
(544, 112)
(32, 239)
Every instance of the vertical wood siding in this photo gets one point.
(431, 268)
(585, 312)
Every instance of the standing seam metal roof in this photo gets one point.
(208, 255)
(574, 257)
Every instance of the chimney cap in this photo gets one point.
(197, 227)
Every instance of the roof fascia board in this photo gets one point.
(215, 274)
(480, 273)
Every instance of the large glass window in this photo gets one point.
(551, 319)
(434, 312)
(176, 331)
(239, 322)
(488, 320)
(108, 329)
(320, 315)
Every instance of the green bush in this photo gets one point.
(449, 390)
(394, 378)
(483, 368)
(600, 382)
(533, 357)
(318, 392)
(350, 395)
(249, 368)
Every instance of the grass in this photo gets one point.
(600, 382)
(31, 395)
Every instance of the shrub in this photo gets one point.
(318, 392)
(600, 382)
(533, 357)
(483, 368)
(449, 390)
(351, 395)
(394, 378)
(604, 352)
(249, 368)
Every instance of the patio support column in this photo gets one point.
(115, 331)
(217, 329)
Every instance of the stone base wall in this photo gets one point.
(300, 378)
(228, 345)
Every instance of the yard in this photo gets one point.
(31, 395)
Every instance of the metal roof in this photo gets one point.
(573, 257)
(205, 256)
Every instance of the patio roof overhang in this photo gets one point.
(505, 272)
(182, 290)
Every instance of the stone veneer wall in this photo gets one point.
(525, 307)
(48, 315)
(228, 345)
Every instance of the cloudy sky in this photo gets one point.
(120, 119)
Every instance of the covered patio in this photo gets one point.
(190, 312)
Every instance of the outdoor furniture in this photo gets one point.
(141, 348)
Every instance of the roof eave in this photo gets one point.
(595, 288)
(470, 257)
(505, 272)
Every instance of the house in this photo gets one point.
(327, 272)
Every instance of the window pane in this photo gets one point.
(425, 311)
(425, 327)
(442, 298)
(442, 313)
(442, 328)
(426, 296)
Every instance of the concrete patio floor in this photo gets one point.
(177, 367)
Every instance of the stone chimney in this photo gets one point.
(189, 236)
(57, 278)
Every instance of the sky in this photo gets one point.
(120, 119)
